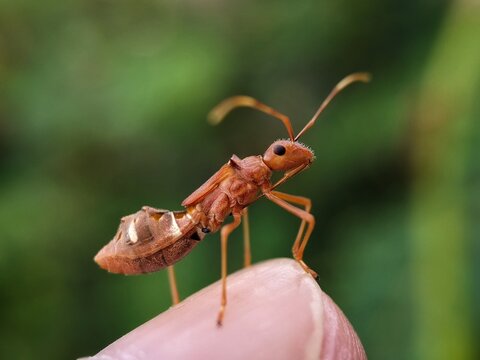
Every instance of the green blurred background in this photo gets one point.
(102, 110)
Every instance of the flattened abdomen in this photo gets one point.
(149, 240)
(145, 264)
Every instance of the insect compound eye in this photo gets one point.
(279, 150)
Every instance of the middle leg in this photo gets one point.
(247, 252)
(224, 233)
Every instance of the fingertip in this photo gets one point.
(275, 311)
(340, 341)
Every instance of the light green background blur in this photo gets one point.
(102, 110)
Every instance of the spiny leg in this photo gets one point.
(247, 252)
(224, 233)
(307, 218)
(173, 285)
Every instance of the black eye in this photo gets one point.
(279, 150)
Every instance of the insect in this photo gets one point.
(153, 239)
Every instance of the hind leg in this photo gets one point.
(173, 285)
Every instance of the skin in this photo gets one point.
(278, 312)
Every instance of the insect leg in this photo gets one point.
(290, 174)
(299, 245)
(173, 285)
(224, 233)
(247, 253)
(300, 200)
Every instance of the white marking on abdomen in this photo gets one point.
(132, 232)
(174, 226)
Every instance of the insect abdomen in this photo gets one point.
(157, 261)
(149, 240)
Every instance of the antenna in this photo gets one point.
(364, 77)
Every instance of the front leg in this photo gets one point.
(307, 218)
(307, 203)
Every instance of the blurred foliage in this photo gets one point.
(102, 108)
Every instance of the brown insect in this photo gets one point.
(153, 239)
